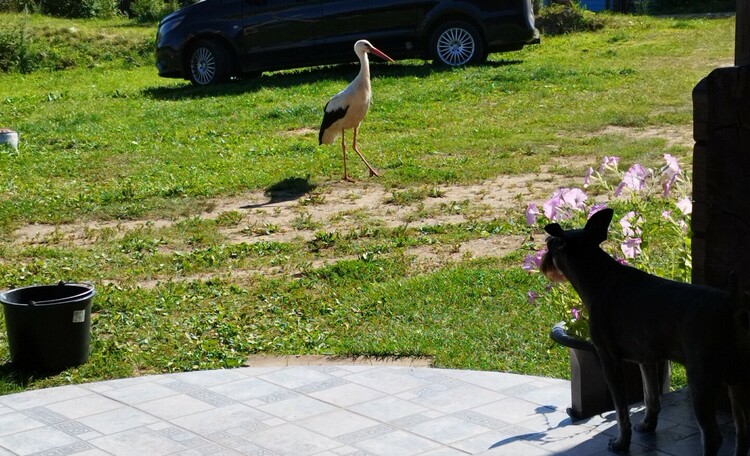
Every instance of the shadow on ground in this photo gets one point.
(344, 72)
(289, 189)
(11, 374)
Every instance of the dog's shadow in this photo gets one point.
(555, 439)
(289, 189)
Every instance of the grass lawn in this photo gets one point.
(157, 192)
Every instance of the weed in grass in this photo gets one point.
(454, 207)
(305, 221)
(435, 192)
(432, 229)
(407, 197)
(618, 37)
(312, 199)
(257, 229)
(323, 240)
(230, 218)
(360, 215)
(137, 244)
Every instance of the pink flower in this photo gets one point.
(532, 262)
(552, 206)
(670, 171)
(634, 179)
(631, 224)
(575, 199)
(672, 167)
(623, 261)
(631, 247)
(564, 198)
(533, 296)
(587, 177)
(532, 212)
(685, 206)
(608, 163)
(576, 313)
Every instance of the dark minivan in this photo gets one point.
(213, 40)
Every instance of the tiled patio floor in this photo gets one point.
(326, 410)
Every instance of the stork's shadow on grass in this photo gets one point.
(289, 189)
(291, 78)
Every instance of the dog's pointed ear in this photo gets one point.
(598, 224)
(554, 229)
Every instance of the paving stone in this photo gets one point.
(329, 410)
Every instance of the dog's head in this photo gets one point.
(564, 247)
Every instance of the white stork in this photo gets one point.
(347, 109)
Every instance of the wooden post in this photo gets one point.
(742, 34)
(721, 165)
(721, 180)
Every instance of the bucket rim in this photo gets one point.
(89, 293)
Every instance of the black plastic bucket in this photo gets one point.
(49, 326)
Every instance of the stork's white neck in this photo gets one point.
(364, 67)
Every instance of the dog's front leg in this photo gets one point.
(651, 380)
(615, 376)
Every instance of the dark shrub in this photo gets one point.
(559, 19)
(80, 8)
(16, 51)
(151, 10)
(17, 6)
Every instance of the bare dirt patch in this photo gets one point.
(433, 256)
(340, 208)
(681, 135)
(300, 132)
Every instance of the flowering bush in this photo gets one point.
(654, 234)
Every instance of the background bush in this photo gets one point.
(41, 43)
(16, 50)
(559, 19)
(150, 10)
(79, 8)
(144, 10)
(18, 6)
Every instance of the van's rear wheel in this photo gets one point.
(209, 63)
(457, 43)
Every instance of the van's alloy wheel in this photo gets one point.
(457, 43)
(209, 63)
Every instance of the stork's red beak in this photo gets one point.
(380, 54)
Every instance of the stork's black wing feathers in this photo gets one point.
(329, 118)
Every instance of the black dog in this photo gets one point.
(646, 319)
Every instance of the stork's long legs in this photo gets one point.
(343, 149)
(356, 149)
